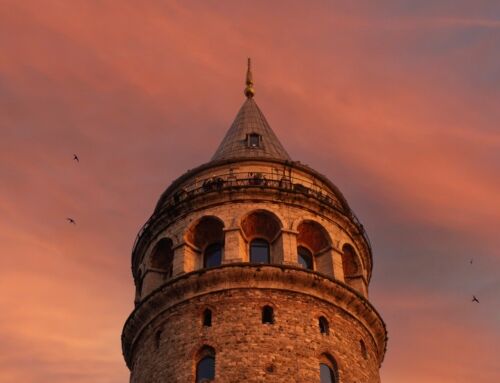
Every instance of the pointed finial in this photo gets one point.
(249, 90)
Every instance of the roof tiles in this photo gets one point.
(235, 143)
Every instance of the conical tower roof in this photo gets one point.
(250, 136)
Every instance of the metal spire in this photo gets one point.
(249, 90)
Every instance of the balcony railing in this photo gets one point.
(262, 180)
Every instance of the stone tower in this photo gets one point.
(253, 268)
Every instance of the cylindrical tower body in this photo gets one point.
(253, 268)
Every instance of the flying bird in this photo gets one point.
(75, 158)
(71, 220)
(474, 299)
(471, 261)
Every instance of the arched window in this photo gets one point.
(350, 262)
(326, 374)
(267, 315)
(362, 346)
(328, 369)
(207, 234)
(162, 256)
(305, 258)
(324, 327)
(264, 229)
(205, 367)
(207, 318)
(315, 247)
(259, 251)
(213, 255)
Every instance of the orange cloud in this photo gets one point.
(398, 106)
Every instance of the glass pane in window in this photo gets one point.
(305, 258)
(259, 251)
(205, 370)
(326, 374)
(213, 256)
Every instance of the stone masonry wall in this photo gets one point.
(232, 214)
(248, 350)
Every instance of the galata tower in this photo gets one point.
(253, 268)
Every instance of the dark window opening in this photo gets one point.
(268, 315)
(205, 369)
(326, 374)
(162, 256)
(305, 258)
(350, 262)
(213, 255)
(259, 251)
(253, 140)
(324, 327)
(207, 318)
(158, 339)
(362, 345)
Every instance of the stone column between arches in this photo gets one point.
(289, 241)
(234, 246)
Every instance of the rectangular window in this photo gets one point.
(253, 140)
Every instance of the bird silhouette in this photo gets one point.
(474, 299)
(75, 158)
(471, 261)
(71, 220)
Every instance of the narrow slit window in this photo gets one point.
(158, 339)
(362, 346)
(207, 318)
(267, 315)
(324, 327)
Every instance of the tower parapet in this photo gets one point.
(267, 251)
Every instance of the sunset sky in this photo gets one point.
(397, 102)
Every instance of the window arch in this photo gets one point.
(207, 318)
(324, 326)
(313, 239)
(328, 371)
(267, 315)
(162, 256)
(350, 262)
(305, 258)
(259, 251)
(212, 256)
(207, 237)
(205, 365)
(262, 228)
